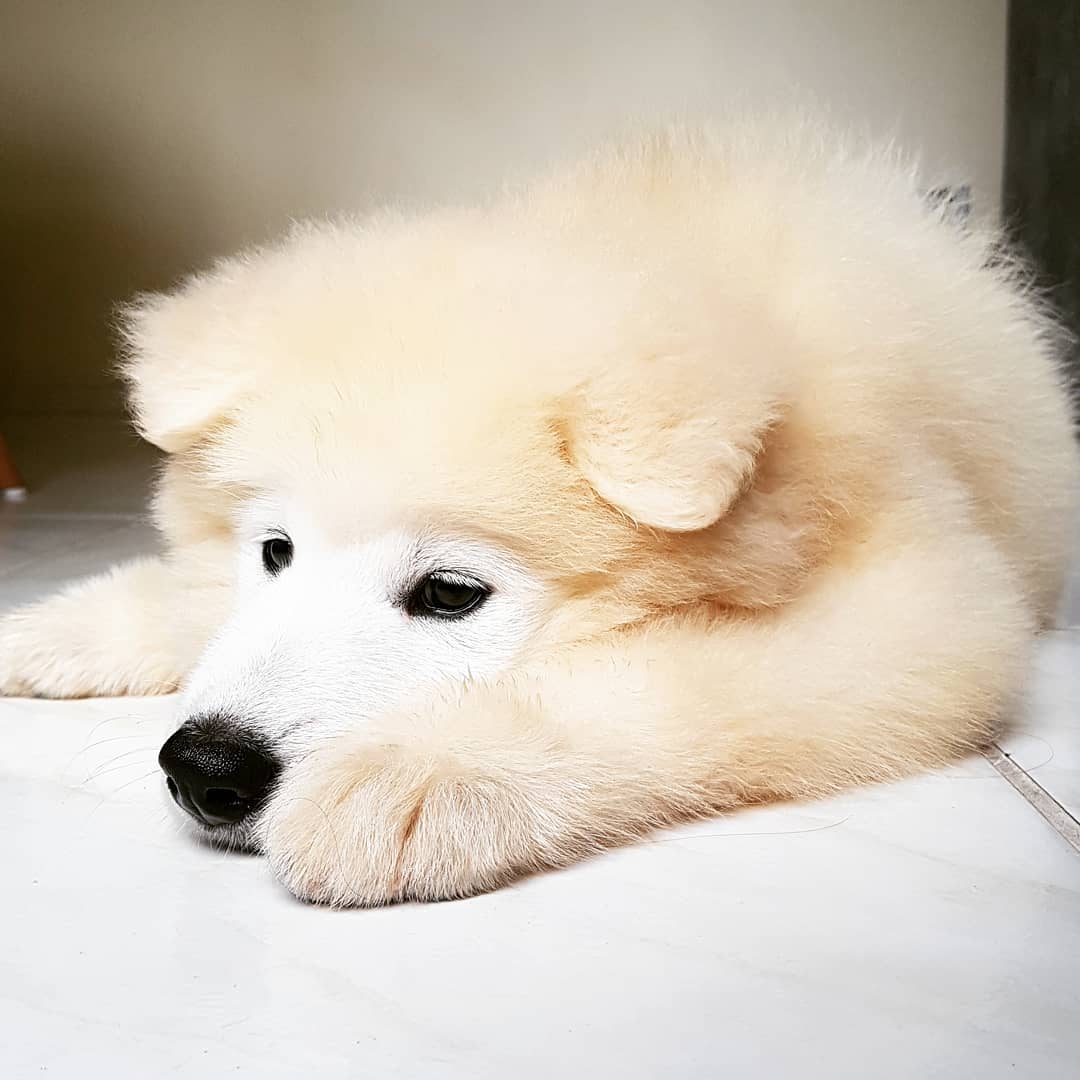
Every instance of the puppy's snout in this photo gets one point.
(216, 777)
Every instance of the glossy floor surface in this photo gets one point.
(926, 929)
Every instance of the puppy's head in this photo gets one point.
(431, 451)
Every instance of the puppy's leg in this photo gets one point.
(136, 629)
(881, 669)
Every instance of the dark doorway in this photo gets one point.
(1042, 150)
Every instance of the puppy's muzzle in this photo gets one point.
(217, 776)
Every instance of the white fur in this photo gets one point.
(769, 466)
(323, 647)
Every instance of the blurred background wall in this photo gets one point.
(139, 138)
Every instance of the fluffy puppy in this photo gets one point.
(718, 468)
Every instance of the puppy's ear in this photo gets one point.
(672, 441)
(182, 375)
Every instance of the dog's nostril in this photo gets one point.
(224, 798)
(218, 778)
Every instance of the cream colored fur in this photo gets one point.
(776, 465)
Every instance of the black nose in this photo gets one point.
(215, 776)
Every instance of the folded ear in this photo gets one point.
(672, 441)
(183, 377)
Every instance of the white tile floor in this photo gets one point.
(928, 929)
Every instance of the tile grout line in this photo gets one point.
(1060, 819)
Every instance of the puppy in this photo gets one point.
(716, 469)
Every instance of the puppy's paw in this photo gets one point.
(94, 639)
(31, 656)
(384, 823)
(16, 676)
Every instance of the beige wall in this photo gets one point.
(139, 137)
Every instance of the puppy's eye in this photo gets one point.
(277, 553)
(446, 596)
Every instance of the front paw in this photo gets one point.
(101, 637)
(386, 823)
(27, 664)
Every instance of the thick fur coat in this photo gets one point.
(766, 470)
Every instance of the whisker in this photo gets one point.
(112, 738)
(112, 719)
(102, 800)
(117, 757)
(128, 783)
(98, 773)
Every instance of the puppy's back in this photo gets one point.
(910, 333)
